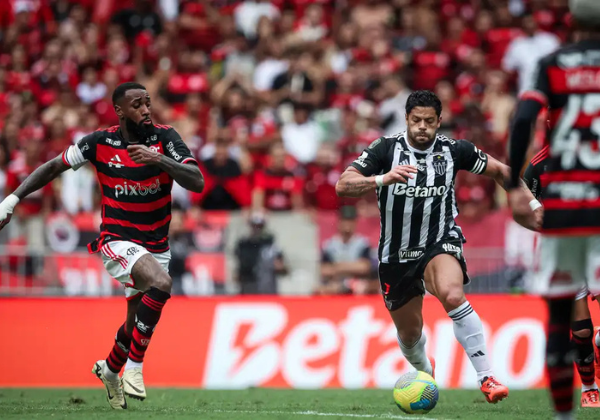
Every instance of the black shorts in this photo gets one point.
(400, 282)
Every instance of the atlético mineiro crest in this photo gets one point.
(439, 165)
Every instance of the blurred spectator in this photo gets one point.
(65, 108)
(180, 244)
(524, 52)
(270, 65)
(138, 19)
(372, 13)
(311, 27)
(302, 136)
(260, 261)
(345, 256)
(28, 219)
(226, 187)
(431, 64)
(321, 177)
(296, 84)
(339, 54)
(277, 188)
(497, 103)
(391, 110)
(451, 106)
(90, 89)
(248, 13)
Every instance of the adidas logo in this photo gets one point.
(115, 162)
(478, 354)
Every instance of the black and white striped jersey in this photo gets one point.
(419, 213)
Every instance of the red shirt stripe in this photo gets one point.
(125, 223)
(137, 207)
(560, 204)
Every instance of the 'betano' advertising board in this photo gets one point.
(232, 343)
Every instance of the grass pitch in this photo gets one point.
(268, 404)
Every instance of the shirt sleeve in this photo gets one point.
(372, 159)
(175, 148)
(540, 83)
(79, 154)
(532, 180)
(470, 158)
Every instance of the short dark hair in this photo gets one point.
(122, 89)
(424, 98)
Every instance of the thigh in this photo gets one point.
(561, 267)
(444, 278)
(400, 283)
(119, 258)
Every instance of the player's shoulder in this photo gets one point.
(569, 55)
(383, 143)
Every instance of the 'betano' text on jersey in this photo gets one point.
(419, 213)
(568, 83)
(136, 198)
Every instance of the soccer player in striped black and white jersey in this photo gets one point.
(136, 163)
(420, 246)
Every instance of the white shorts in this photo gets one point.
(119, 257)
(567, 265)
(582, 293)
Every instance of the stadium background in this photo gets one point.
(274, 99)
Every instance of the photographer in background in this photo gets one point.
(260, 262)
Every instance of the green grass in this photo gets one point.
(267, 404)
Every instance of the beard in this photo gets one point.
(417, 138)
(139, 132)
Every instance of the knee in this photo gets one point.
(410, 335)
(164, 282)
(583, 328)
(452, 298)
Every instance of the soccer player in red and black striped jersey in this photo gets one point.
(582, 328)
(136, 162)
(568, 83)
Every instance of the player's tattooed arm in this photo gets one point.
(42, 176)
(186, 175)
(354, 184)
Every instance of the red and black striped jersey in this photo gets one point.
(534, 171)
(136, 198)
(568, 83)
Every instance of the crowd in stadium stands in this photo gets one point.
(274, 98)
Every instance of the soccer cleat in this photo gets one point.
(114, 392)
(133, 383)
(432, 361)
(493, 390)
(590, 398)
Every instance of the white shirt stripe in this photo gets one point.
(428, 201)
(385, 254)
(408, 207)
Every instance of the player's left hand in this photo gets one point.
(143, 155)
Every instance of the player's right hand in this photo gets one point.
(400, 173)
(7, 206)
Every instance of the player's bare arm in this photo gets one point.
(354, 184)
(43, 175)
(529, 216)
(186, 175)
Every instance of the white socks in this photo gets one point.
(565, 416)
(469, 333)
(588, 387)
(131, 364)
(597, 339)
(109, 374)
(416, 355)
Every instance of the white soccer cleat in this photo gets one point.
(114, 391)
(133, 383)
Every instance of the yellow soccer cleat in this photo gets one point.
(133, 383)
(114, 392)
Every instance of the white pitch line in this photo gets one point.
(317, 413)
